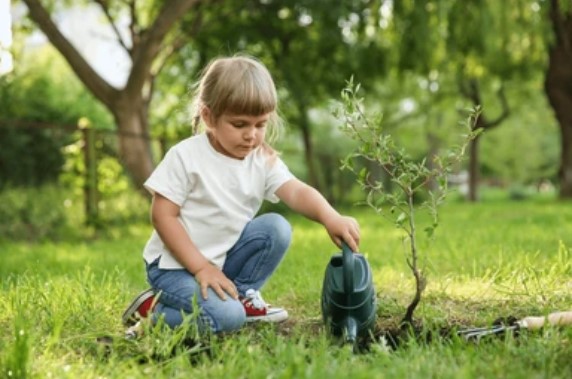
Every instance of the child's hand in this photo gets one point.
(344, 229)
(211, 276)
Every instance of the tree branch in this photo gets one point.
(470, 89)
(134, 24)
(178, 43)
(92, 80)
(120, 40)
(505, 110)
(152, 40)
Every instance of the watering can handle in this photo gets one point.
(348, 267)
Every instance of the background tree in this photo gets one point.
(152, 39)
(558, 85)
(472, 48)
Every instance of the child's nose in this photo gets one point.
(250, 133)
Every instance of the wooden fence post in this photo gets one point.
(90, 183)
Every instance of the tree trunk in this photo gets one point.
(470, 89)
(558, 87)
(304, 124)
(134, 140)
(473, 194)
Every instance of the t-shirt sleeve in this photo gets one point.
(170, 178)
(277, 175)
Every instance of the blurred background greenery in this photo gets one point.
(421, 64)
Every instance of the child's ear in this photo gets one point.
(206, 115)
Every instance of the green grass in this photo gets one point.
(493, 259)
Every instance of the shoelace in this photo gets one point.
(255, 298)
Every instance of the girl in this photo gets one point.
(207, 243)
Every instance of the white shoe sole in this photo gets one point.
(272, 317)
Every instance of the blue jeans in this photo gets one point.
(249, 264)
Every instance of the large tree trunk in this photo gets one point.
(558, 87)
(134, 140)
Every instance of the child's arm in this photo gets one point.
(307, 201)
(165, 219)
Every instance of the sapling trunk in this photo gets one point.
(420, 280)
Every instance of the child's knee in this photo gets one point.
(227, 316)
(278, 227)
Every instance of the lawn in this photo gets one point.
(494, 259)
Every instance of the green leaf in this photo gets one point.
(401, 219)
(429, 231)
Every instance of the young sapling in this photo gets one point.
(407, 179)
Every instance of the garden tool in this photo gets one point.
(348, 295)
(530, 322)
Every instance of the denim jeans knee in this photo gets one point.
(278, 227)
(226, 315)
(178, 288)
(258, 251)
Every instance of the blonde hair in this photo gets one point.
(238, 85)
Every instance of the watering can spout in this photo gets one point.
(351, 330)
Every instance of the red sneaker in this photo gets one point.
(257, 309)
(140, 308)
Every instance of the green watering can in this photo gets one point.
(348, 296)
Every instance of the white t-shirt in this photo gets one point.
(218, 195)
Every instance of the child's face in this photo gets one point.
(237, 135)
